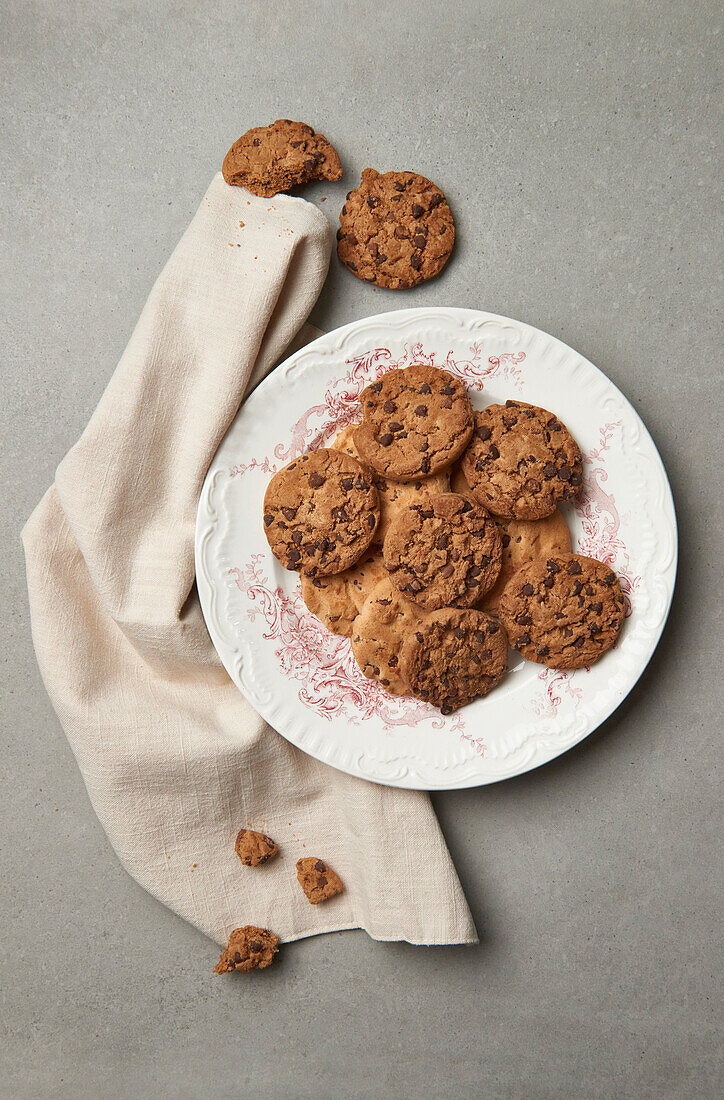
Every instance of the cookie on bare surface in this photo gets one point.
(317, 879)
(521, 461)
(249, 948)
(563, 612)
(416, 421)
(286, 154)
(443, 552)
(394, 495)
(321, 512)
(525, 540)
(395, 230)
(254, 849)
(337, 600)
(454, 656)
(379, 631)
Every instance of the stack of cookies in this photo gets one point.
(430, 535)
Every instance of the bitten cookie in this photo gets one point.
(317, 879)
(443, 552)
(321, 512)
(564, 612)
(249, 948)
(395, 230)
(417, 421)
(521, 461)
(286, 154)
(337, 600)
(454, 656)
(254, 849)
(394, 495)
(379, 631)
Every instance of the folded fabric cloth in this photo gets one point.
(174, 759)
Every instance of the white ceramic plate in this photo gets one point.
(303, 680)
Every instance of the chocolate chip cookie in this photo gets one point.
(454, 656)
(254, 849)
(395, 230)
(317, 879)
(321, 512)
(563, 612)
(525, 540)
(443, 552)
(394, 495)
(286, 154)
(249, 948)
(521, 461)
(416, 421)
(337, 600)
(379, 631)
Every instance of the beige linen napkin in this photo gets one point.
(174, 759)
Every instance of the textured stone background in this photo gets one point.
(577, 144)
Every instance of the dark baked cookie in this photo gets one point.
(521, 461)
(395, 230)
(454, 656)
(249, 948)
(321, 512)
(317, 879)
(254, 849)
(443, 552)
(394, 495)
(379, 631)
(417, 421)
(338, 599)
(564, 612)
(270, 159)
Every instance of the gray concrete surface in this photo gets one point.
(577, 142)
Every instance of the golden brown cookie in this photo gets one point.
(526, 540)
(564, 612)
(443, 552)
(338, 599)
(254, 849)
(454, 656)
(317, 879)
(286, 154)
(379, 631)
(416, 421)
(249, 948)
(321, 512)
(521, 461)
(394, 495)
(395, 230)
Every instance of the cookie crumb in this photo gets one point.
(317, 879)
(253, 848)
(249, 948)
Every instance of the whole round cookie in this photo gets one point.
(338, 599)
(563, 612)
(526, 540)
(416, 421)
(321, 512)
(394, 495)
(286, 154)
(443, 552)
(379, 631)
(395, 230)
(521, 461)
(453, 656)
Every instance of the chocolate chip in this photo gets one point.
(310, 165)
(565, 473)
(609, 579)
(390, 407)
(392, 661)
(441, 542)
(579, 642)
(319, 866)
(446, 710)
(399, 186)
(524, 620)
(595, 629)
(554, 567)
(386, 439)
(289, 513)
(483, 433)
(527, 590)
(549, 471)
(315, 480)
(446, 571)
(466, 506)
(296, 537)
(400, 233)
(505, 538)
(419, 240)
(376, 387)
(435, 200)
(268, 519)
(372, 202)
(415, 261)
(574, 567)
(347, 483)
(597, 608)
(394, 426)
(549, 581)
(576, 479)
(425, 465)
(417, 210)
(237, 957)
(294, 556)
(459, 632)
(493, 627)
(542, 651)
(254, 945)
(419, 636)
(524, 639)
(494, 452)
(424, 388)
(532, 485)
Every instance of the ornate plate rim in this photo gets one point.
(229, 651)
